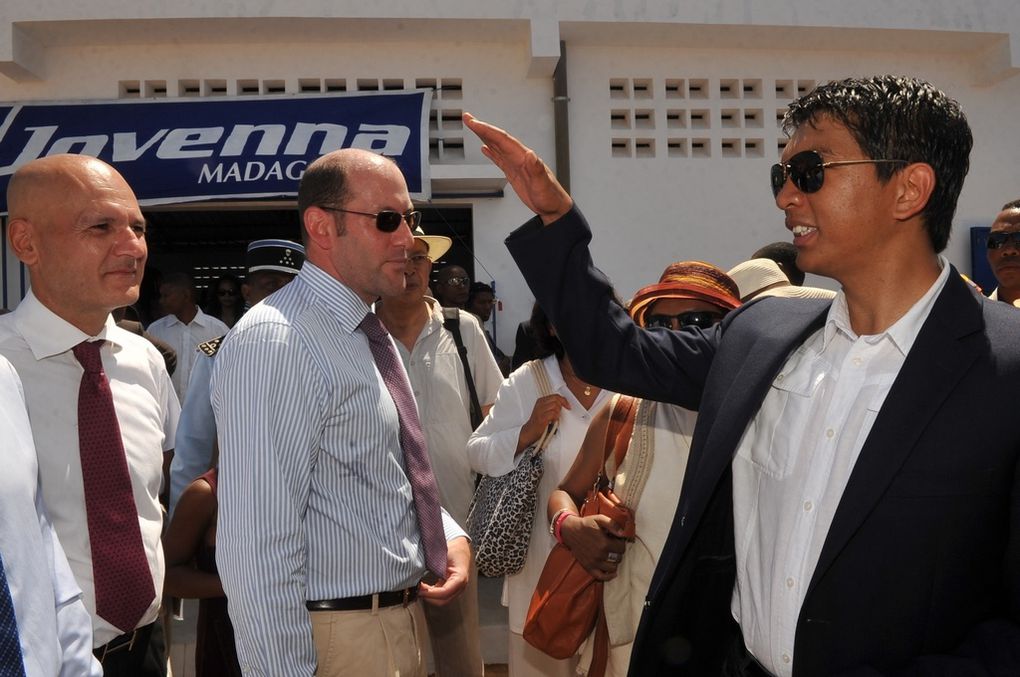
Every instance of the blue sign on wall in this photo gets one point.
(199, 149)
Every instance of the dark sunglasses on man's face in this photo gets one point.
(807, 171)
(387, 220)
(696, 318)
(996, 240)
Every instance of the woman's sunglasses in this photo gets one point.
(807, 171)
(697, 318)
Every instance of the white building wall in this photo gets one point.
(646, 211)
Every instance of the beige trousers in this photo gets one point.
(454, 630)
(383, 642)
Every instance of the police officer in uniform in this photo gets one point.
(270, 264)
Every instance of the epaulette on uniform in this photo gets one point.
(210, 347)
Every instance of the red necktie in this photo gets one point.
(123, 582)
(412, 441)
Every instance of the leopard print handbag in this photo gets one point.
(502, 511)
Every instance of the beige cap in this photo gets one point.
(437, 244)
(763, 277)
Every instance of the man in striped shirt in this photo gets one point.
(319, 545)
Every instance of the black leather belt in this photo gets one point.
(125, 642)
(385, 599)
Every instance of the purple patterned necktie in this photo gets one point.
(412, 441)
(12, 664)
(124, 589)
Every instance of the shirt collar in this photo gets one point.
(201, 319)
(337, 299)
(47, 334)
(903, 332)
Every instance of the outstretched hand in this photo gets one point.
(529, 176)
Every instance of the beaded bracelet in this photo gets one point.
(557, 524)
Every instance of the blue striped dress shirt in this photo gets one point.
(313, 497)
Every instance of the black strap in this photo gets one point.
(451, 322)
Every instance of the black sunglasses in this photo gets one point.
(695, 318)
(387, 220)
(807, 171)
(996, 240)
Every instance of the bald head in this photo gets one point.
(40, 186)
(326, 181)
(76, 225)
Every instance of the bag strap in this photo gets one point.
(600, 645)
(621, 427)
(541, 375)
(451, 323)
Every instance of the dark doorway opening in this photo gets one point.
(210, 242)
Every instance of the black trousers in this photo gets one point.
(145, 658)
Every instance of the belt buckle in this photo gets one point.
(407, 597)
(128, 645)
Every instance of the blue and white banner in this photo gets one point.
(183, 150)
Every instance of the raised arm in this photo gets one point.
(530, 177)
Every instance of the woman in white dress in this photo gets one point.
(689, 293)
(517, 419)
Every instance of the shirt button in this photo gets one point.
(780, 377)
(786, 658)
(858, 361)
(790, 582)
(808, 506)
(829, 433)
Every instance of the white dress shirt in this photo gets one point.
(492, 450)
(38, 343)
(439, 385)
(53, 624)
(314, 500)
(184, 338)
(794, 461)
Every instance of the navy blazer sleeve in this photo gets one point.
(605, 347)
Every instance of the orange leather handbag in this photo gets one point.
(567, 603)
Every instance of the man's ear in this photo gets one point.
(321, 227)
(915, 185)
(21, 235)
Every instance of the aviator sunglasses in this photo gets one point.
(996, 240)
(387, 220)
(807, 171)
(697, 318)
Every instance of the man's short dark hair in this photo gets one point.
(898, 118)
(324, 183)
(1015, 204)
(785, 254)
(179, 280)
(478, 288)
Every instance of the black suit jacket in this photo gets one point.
(920, 571)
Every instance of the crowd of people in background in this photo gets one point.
(300, 450)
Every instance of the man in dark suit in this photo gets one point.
(847, 509)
